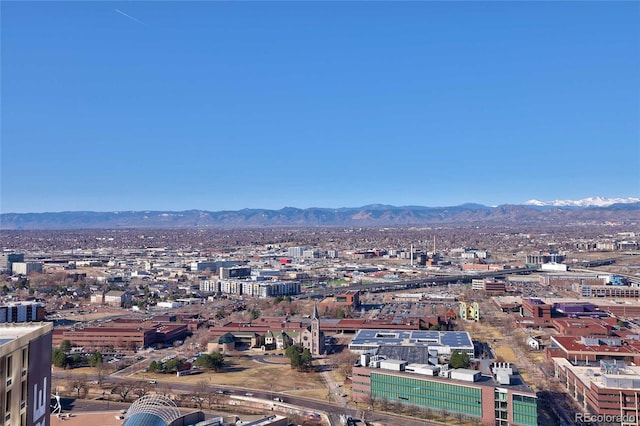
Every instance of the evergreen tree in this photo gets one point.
(59, 358)
(65, 346)
(213, 361)
(95, 359)
(459, 359)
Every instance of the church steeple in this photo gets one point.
(316, 334)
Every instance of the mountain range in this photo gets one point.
(585, 202)
(622, 211)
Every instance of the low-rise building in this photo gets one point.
(501, 398)
(26, 268)
(537, 311)
(117, 298)
(588, 350)
(608, 291)
(105, 337)
(607, 388)
(469, 311)
(412, 345)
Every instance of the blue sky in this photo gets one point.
(230, 105)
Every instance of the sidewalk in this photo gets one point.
(102, 418)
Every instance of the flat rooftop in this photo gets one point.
(627, 378)
(600, 302)
(517, 382)
(10, 331)
(379, 337)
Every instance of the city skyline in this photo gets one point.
(114, 106)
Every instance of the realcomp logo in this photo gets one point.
(599, 418)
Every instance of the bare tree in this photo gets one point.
(384, 404)
(368, 400)
(164, 388)
(101, 373)
(412, 410)
(428, 413)
(142, 388)
(124, 389)
(395, 406)
(212, 399)
(344, 361)
(199, 393)
(198, 401)
(78, 382)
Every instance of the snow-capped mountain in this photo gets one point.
(585, 202)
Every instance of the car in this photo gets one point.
(153, 382)
(219, 392)
(278, 399)
(248, 394)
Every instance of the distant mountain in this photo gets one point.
(372, 215)
(585, 202)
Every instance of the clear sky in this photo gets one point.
(229, 105)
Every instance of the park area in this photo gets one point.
(268, 373)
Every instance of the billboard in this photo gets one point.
(39, 381)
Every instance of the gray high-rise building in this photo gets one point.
(8, 259)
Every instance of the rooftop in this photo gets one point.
(12, 331)
(599, 346)
(516, 384)
(426, 338)
(627, 376)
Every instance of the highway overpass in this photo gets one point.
(425, 282)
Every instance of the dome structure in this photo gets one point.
(152, 410)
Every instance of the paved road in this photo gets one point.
(334, 409)
(560, 408)
(420, 283)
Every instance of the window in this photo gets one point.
(9, 366)
(7, 402)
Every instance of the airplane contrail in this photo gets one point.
(129, 16)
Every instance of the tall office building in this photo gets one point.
(25, 373)
(22, 312)
(295, 251)
(25, 268)
(8, 259)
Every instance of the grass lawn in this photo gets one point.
(244, 372)
(507, 354)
